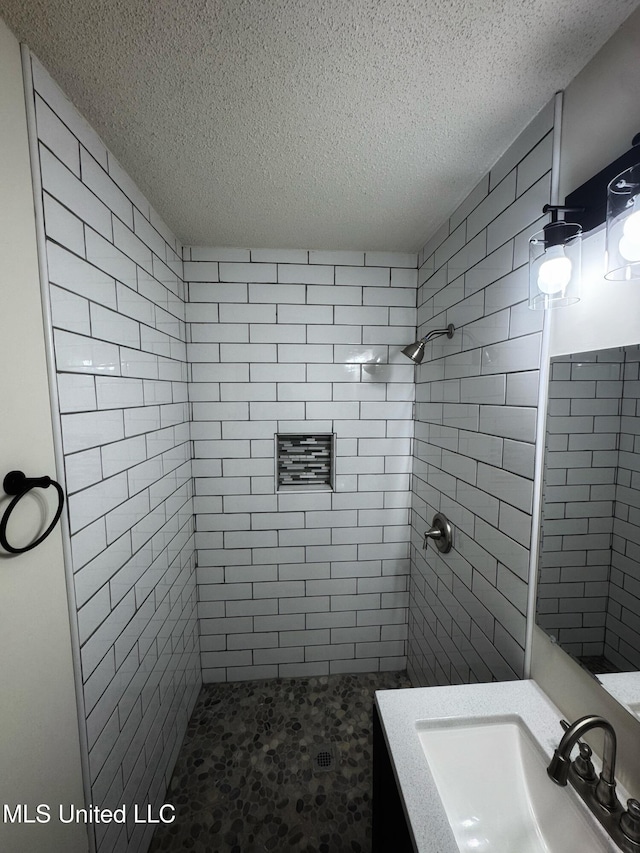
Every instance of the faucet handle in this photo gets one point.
(583, 764)
(630, 821)
(584, 760)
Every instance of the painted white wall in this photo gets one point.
(600, 115)
(599, 105)
(39, 747)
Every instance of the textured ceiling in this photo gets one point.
(343, 124)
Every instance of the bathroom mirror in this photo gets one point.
(588, 593)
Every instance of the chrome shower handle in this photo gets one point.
(434, 533)
(441, 532)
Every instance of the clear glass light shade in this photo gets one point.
(555, 267)
(623, 226)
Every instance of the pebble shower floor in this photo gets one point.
(252, 774)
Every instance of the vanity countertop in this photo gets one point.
(624, 687)
(399, 711)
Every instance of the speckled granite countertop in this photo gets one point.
(401, 709)
(624, 687)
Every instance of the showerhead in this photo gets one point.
(415, 351)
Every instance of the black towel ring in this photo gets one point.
(16, 483)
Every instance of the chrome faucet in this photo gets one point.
(558, 769)
(599, 793)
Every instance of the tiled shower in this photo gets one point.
(176, 368)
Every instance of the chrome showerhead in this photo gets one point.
(415, 351)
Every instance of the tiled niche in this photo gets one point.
(304, 462)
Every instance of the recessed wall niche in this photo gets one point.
(304, 462)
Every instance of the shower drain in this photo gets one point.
(323, 758)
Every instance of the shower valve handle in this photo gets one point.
(434, 533)
(441, 532)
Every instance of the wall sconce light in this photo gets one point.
(623, 226)
(611, 196)
(555, 262)
(415, 351)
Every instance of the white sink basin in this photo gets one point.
(492, 780)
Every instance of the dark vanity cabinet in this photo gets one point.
(390, 829)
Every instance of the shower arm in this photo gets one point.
(436, 333)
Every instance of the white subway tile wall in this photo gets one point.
(579, 495)
(118, 307)
(588, 593)
(476, 398)
(622, 638)
(301, 582)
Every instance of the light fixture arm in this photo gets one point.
(555, 209)
(557, 231)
